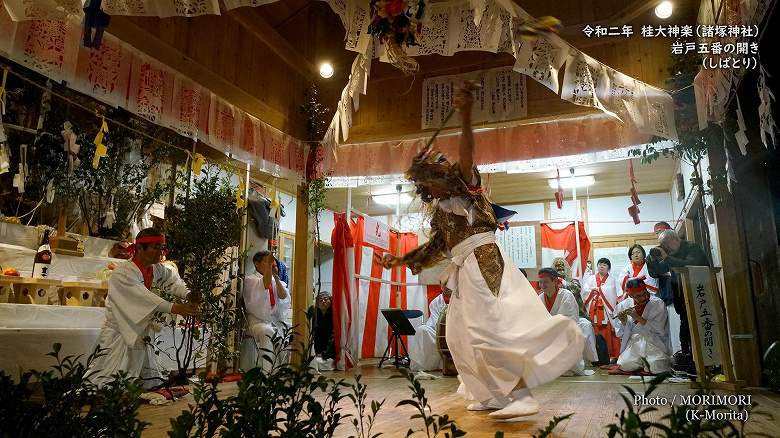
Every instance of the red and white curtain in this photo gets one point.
(560, 240)
(345, 297)
(375, 291)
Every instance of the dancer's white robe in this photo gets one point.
(648, 341)
(130, 307)
(263, 319)
(496, 341)
(424, 351)
(566, 305)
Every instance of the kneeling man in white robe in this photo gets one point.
(424, 351)
(642, 324)
(560, 301)
(130, 306)
(264, 294)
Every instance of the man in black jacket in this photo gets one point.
(674, 252)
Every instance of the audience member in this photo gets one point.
(600, 294)
(637, 268)
(643, 327)
(424, 350)
(324, 341)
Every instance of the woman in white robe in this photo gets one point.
(424, 351)
(131, 303)
(637, 268)
(501, 339)
(600, 294)
(643, 326)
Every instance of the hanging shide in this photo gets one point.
(396, 23)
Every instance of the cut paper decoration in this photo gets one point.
(197, 163)
(541, 60)
(21, 174)
(767, 121)
(100, 149)
(741, 134)
(71, 146)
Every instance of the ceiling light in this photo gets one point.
(664, 10)
(392, 198)
(326, 70)
(570, 183)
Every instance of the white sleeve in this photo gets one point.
(131, 303)
(252, 299)
(655, 314)
(569, 307)
(171, 282)
(616, 324)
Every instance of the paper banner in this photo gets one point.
(659, 115)
(502, 96)
(251, 144)
(625, 97)
(104, 73)
(541, 60)
(585, 82)
(232, 4)
(187, 8)
(151, 89)
(275, 152)
(224, 124)
(22, 10)
(189, 112)
(48, 47)
(345, 114)
(358, 19)
(143, 8)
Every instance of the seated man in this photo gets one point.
(130, 306)
(560, 301)
(264, 294)
(324, 341)
(423, 350)
(642, 324)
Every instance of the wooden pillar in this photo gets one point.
(303, 272)
(734, 276)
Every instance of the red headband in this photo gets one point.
(546, 275)
(636, 290)
(661, 227)
(150, 239)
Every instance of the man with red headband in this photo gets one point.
(132, 302)
(642, 324)
(266, 301)
(560, 301)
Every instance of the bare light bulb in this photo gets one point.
(664, 9)
(326, 70)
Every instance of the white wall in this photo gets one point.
(527, 212)
(609, 216)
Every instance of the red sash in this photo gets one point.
(147, 272)
(271, 295)
(596, 312)
(549, 303)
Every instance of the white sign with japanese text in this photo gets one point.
(376, 233)
(520, 244)
(704, 311)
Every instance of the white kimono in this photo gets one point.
(610, 289)
(631, 271)
(424, 351)
(263, 319)
(648, 341)
(129, 310)
(566, 305)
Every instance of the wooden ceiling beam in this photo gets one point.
(128, 31)
(254, 23)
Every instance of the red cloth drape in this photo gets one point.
(344, 295)
(566, 239)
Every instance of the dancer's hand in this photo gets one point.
(464, 99)
(186, 309)
(390, 261)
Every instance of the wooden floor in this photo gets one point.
(594, 400)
